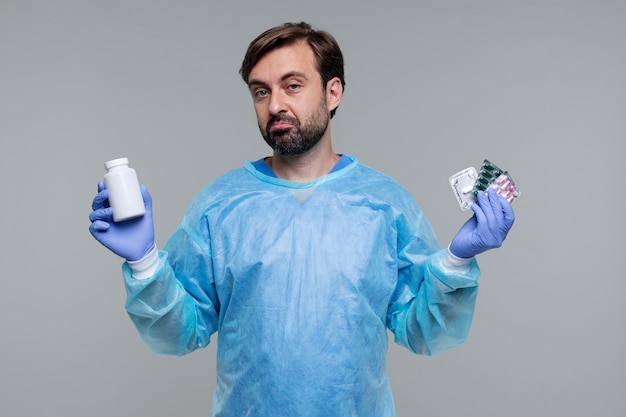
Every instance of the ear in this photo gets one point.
(334, 93)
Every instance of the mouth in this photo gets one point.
(280, 126)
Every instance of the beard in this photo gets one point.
(300, 138)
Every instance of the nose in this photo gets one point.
(277, 103)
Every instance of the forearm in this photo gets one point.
(440, 314)
(168, 318)
(161, 310)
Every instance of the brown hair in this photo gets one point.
(328, 56)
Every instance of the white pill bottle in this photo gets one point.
(124, 192)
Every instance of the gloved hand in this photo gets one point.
(488, 227)
(131, 239)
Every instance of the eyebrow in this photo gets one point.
(286, 76)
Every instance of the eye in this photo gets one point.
(293, 87)
(261, 93)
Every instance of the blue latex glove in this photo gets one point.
(488, 227)
(131, 239)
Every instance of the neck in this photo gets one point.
(309, 166)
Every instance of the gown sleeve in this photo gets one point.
(176, 310)
(433, 306)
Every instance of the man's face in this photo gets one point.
(289, 99)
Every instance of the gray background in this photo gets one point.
(433, 87)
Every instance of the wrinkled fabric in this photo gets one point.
(302, 281)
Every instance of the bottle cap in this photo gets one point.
(115, 162)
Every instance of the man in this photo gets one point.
(302, 260)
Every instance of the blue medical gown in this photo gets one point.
(301, 282)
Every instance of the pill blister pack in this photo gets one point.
(468, 183)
